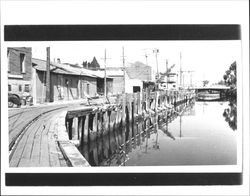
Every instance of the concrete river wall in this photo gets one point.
(95, 122)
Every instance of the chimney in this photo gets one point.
(58, 60)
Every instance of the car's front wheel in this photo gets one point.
(11, 104)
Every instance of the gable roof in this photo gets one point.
(66, 69)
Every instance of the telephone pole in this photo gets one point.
(47, 99)
(123, 64)
(167, 71)
(105, 72)
(180, 71)
(156, 51)
(146, 56)
(105, 76)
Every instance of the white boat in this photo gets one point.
(206, 96)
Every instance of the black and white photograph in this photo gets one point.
(110, 101)
(153, 103)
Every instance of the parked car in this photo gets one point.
(13, 100)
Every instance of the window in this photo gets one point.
(20, 88)
(27, 88)
(22, 62)
(8, 59)
(9, 87)
(67, 82)
(88, 89)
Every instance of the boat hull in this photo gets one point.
(208, 97)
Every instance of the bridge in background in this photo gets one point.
(212, 88)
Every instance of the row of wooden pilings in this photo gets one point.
(92, 122)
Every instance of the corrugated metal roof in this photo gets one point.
(66, 69)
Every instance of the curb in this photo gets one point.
(70, 152)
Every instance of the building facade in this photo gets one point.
(20, 71)
(139, 71)
(135, 75)
(67, 82)
(118, 80)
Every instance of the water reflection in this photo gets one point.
(230, 114)
(113, 148)
(193, 134)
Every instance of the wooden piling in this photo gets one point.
(147, 101)
(75, 129)
(99, 124)
(81, 129)
(93, 130)
(118, 125)
(112, 120)
(86, 129)
(106, 121)
(69, 127)
(124, 103)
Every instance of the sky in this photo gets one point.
(207, 59)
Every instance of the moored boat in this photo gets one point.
(206, 96)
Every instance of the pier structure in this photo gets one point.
(62, 135)
(91, 123)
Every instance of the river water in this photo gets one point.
(201, 133)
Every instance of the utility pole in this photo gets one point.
(105, 72)
(167, 71)
(146, 56)
(180, 71)
(156, 51)
(48, 75)
(105, 76)
(123, 64)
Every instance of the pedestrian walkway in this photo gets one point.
(38, 138)
(38, 147)
(19, 120)
(46, 144)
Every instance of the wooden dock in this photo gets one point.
(40, 139)
(50, 138)
(92, 123)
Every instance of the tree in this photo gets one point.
(84, 64)
(221, 82)
(230, 115)
(230, 76)
(205, 83)
(94, 64)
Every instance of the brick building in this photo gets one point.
(139, 71)
(135, 75)
(19, 70)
